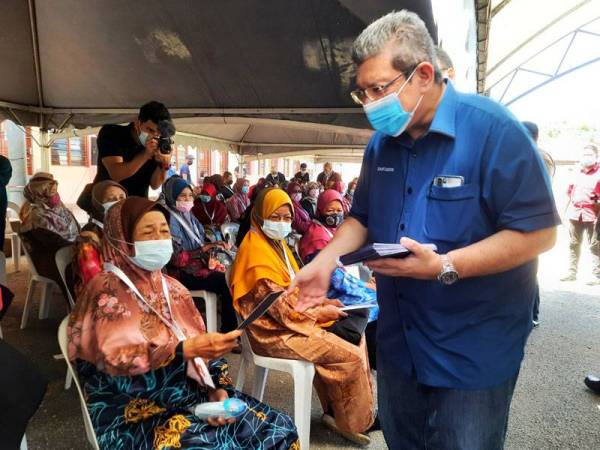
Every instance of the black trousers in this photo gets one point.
(577, 230)
(22, 388)
(216, 283)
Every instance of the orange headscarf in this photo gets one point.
(259, 257)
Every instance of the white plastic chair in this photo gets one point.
(210, 302)
(87, 422)
(302, 372)
(63, 258)
(47, 285)
(229, 231)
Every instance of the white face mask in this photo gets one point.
(314, 193)
(152, 255)
(107, 206)
(297, 196)
(143, 137)
(277, 231)
(587, 161)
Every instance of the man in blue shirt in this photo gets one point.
(184, 171)
(458, 171)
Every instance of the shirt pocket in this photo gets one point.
(450, 213)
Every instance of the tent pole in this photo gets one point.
(45, 150)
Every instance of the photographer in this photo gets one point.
(137, 155)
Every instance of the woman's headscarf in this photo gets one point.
(317, 237)
(213, 212)
(260, 257)
(37, 213)
(119, 225)
(239, 202)
(98, 192)
(172, 188)
(301, 217)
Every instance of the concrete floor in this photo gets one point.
(551, 409)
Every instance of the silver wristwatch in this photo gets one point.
(448, 275)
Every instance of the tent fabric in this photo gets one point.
(101, 60)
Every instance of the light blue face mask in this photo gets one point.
(245, 189)
(205, 198)
(387, 114)
(277, 230)
(143, 137)
(107, 206)
(152, 255)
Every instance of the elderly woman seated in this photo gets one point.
(143, 354)
(264, 265)
(194, 262)
(345, 287)
(46, 225)
(87, 255)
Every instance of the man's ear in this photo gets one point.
(425, 75)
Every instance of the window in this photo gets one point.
(73, 151)
(59, 151)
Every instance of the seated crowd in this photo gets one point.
(137, 337)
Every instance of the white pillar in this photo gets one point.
(45, 150)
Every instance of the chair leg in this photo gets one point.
(27, 305)
(46, 297)
(210, 300)
(16, 250)
(260, 380)
(241, 378)
(303, 380)
(23, 443)
(68, 380)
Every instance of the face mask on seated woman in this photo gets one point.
(146, 235)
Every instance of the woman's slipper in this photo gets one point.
(357, 438)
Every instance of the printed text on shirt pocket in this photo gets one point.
(450, 212)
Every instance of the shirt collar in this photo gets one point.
(445, 115)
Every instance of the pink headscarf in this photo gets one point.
(318, 235)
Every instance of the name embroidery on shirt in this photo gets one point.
(385, 169)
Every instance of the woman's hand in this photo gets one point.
(327, 313)
(218, 395)
(210, 345)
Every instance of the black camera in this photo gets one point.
(167, 130)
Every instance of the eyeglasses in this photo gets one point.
(362, 96)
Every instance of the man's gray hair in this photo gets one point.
(412, 42)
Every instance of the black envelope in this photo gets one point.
(376, 251)
(260, 309)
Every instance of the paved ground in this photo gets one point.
(551, 409)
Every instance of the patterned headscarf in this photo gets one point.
(98, 192)
(37, 213)
(119, 225)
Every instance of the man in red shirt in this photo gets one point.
(582, 211)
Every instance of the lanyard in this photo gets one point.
(287, 263)
(98, 223)
(325, 228)
(212, 216)
(193, 234)
(171, 324)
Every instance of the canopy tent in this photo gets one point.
(520, 52)
(250, 72)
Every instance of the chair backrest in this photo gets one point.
(63, 258)
(229, 231)
(12, 215)
(62, 342)
(12, 206)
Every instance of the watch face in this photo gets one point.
(449, 277)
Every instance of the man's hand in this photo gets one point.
(161, 158)
(151, 146)
(218, 395)
(313, 284)
(422, 264)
